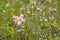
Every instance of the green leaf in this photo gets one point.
(55, 24)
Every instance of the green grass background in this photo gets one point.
(42, 24)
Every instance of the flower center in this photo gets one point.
(18, 19)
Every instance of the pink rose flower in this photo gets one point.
(19, 19)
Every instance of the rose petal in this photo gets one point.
(15, 21)
(18, 23)
(22, 20)
(15, 16)
(21, 15)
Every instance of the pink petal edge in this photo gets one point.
(18, 23)
(22, 20)
(15, 21)
(21, 15)
(15, 16)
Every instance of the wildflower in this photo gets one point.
(34, 2)
(32, 6)
(20, 30)
(19, 19)
(28, 11)
(7, 4)
(33, 14)
(4, 11)
(45, 20)
(38, 8)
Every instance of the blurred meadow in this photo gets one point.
(42, 20)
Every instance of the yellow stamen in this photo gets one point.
(18, 19)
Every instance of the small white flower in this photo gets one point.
(23, 26)
(55, 34)
(4, 11)
(32, 6)
(7, 5)
(33, 14)
(41, 9)
(45, 20)
(28, 11)
(38, 8)
(19, 30)
(34, 2)
(21, 8)
(40, 19)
